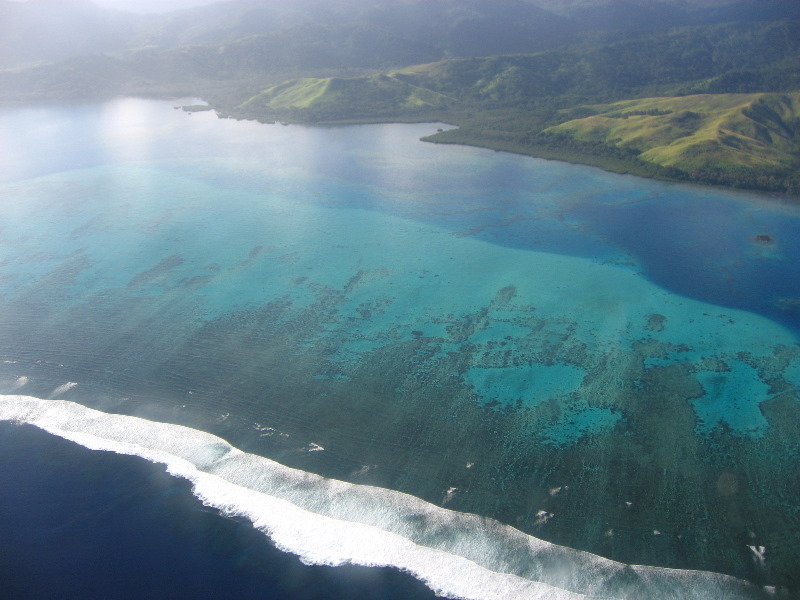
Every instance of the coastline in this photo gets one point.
(397, 393)
(462, 134)
(86, 524)
(333, 523)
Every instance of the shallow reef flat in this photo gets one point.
(477, 330)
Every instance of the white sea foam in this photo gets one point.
(331, 522)
(63, 388)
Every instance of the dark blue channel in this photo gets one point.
(720, 251)
(75, 523)
(731, 249)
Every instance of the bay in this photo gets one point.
(602, 362)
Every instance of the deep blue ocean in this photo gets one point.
(83, 524)
(505, 377)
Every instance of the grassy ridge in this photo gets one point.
(740, 140)
(726, 131)
(713, 104)
(340, 98)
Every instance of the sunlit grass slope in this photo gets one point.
(720, 131)
(335, 98)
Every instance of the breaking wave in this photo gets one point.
(330, 522)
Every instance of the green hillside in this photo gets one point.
(704, 104)
(691, 132)
(731, 139)
(728, 58)
(511, 75)
(338, 99)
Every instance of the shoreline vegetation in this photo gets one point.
(708, 94)
(457, 135)
(748, 141)
(754, 163)
(775, 183)
(779, 178)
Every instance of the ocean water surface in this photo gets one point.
(505, 377)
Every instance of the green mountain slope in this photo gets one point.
(733, 57)
(256, 46)
(338, 99)
(546, 104)
(318, 61)
(732, 139)
(719, 130)
(737, 57)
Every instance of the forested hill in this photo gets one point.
(249, 39)
(730, 58)
(296, 33)
(507, 72)
(713, 103)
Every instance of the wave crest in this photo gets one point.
(331, 522)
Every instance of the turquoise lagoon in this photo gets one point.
(606, 367)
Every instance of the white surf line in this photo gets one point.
(331, 522)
